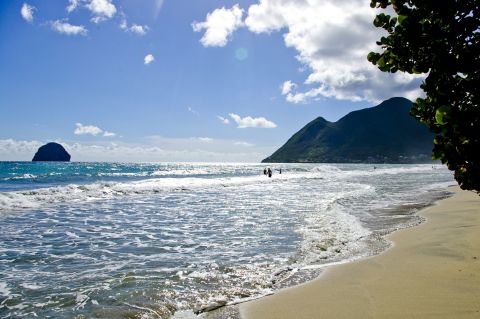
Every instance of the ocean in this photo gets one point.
(158, 240)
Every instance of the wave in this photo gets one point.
(28, 199)
(108, 190)
(20, 177)
(176, 172)
(112, 173)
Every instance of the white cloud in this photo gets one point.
(156, 149)
(72, 5)
(134, 28)
(67, 28)
(87, 129)
(149, 58)
(109, 134)
(223, 120)
(287, 87)
(91, 130)
(205, 139)
(27, 12)
(139, 29)
(246, 144)
(219, 26)
(332, 39)
(101, 9)
(249, 121)
(11, 149)
(98, 19)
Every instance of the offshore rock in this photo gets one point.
(51, 152)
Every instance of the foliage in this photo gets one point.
(440, 39)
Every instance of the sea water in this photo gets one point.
(119, 240)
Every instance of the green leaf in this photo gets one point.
(372, 57)
(381, 62)
(415, 70)
(443, 114)
(401, 19)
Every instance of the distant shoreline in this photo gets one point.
(432, 271)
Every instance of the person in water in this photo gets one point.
(269, 172)
(264, 171)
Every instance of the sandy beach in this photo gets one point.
(432, 271)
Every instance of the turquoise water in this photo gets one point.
(116, 240)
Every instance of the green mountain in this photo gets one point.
(385, 133)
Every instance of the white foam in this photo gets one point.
(120, 174)
(335, 232)
(378, 170)
(20, 306)
(31, 286)
(199, 275)
(4, 289)
(20, 177)
(72, 235)
(16, 200)
(185, 314)
(81, 300)
(107, 190)
(182, 172)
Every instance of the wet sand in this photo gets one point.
(432, 271)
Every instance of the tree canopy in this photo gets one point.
(442, 40)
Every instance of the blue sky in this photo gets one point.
(182, 80)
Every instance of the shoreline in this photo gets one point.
(432, 270)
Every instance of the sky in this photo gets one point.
(182, 80)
